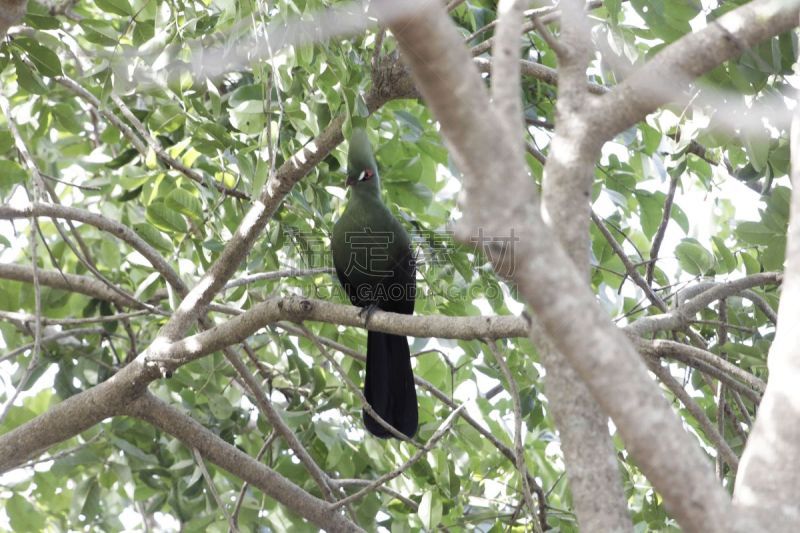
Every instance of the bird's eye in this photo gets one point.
(365, 175)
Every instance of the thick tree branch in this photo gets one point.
(506, 90)
(11, 12)
(79, 412)
(665, 77)
(683, 314)
(298, 309)
(588, 449)
(168, 419)
(565, 307)
(769, 474)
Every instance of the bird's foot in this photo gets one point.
(367, 312)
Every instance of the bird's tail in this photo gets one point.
(389, 384)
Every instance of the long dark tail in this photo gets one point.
(389, 385)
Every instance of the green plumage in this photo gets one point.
(374, 262)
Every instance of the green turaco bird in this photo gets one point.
(375, 265)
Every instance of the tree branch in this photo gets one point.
(122, 232)
(682, 315)
(441, 432)
(566, 308)
(688, 354)
(714, 436)
(770, 466)
(168, 419)
(68, 282)
(667, 75)
(298, 309)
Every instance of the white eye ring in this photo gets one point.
(362, 176)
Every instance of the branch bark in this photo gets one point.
(769, 472)
(168, 419)
(667, 75)
(566, 308)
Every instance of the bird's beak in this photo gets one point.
(351, 180)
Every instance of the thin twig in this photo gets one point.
(548, 36)
(243, 491)
(38, 187)
(722, 338)
(519, 450)
(662, 228)
(687, 354)
(61, 454)
(637, 278)
(453, 4)
(268, 410)
(441, 432)
(198, 458)
(761, 304)
(53, 337)
(278, 274)
(353, 387)
(376, 53)
(708, 427)
(25, 318)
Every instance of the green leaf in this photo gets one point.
(751, 264)
(117, 7)
(39, 17)
(651, 207)
(778, 204)
(185, 202)
(755, 233)
(99, 32)
(123, 158)
(67, 116)
(164, 218)
(11, 174)
(757, 146)
(246, 93)
(220, 407)
(249, 117)
(651, 138)
(153, 237)
(430, 511)
(724, 256)
(45, 60)
(132, 450)
(678, 215)
(27, 78)
(22, 515)
(773, 255)
(693, 258)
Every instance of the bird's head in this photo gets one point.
(362, 171)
